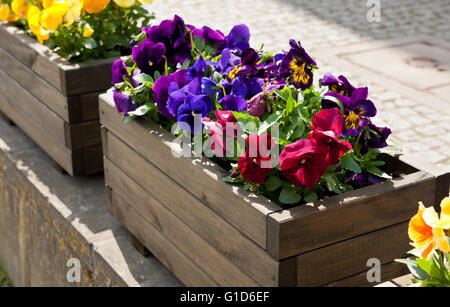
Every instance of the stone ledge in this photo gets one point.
(47, 218)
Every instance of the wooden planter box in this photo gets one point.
(53, 101)
(210, 233)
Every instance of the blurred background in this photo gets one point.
(398, 48)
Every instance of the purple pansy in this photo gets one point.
(338, 85)
(212, 37)
(149, 56)
(361, 180)
(228, 61)
(194, 107)
(200, 67)
(374, 137)
(357, 110)
(119, 71)
(124, 103)
(238, 38)
(297, 64)
(161, 89)
(173, 34)
(233, 103)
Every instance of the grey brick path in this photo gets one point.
(324, 24)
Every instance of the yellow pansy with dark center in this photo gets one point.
(298, 71)
(235, 71)
(4, 12)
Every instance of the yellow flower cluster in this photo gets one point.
(48, 15)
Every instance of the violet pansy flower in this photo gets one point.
(297, 65)
(194, 108)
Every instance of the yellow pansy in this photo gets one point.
(20, 8)
(33, 17)
(52, 16)
(95, 6)
(47, 3)
(87, 31)
(426, 229)
(125, 3)
(74, 10)
(5, 12)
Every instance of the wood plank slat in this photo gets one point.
(41, 136)
(34, 84)
(182, 266)
(230, 242)
(24, 102)
(216, 265)
(246, 211)
(388, 271)
(82, 135)
(349, 257)
(70, 79)
(333, 219)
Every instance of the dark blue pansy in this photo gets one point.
(194, 108)
(149, 56)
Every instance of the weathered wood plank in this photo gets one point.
(246, 211)
(139, 246)
(34, 84)
(70, 79)
(214, 263)
(442, 177)
(388, 271)
(24, 102)
(82, 135)
(230, 242)
(346, 258)
(307, 227)
(28, 51)
(182, 266)
(41, 136)
(86, 77)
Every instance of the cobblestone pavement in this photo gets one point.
(324, 24)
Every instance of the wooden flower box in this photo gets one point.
(210, 233)
(54, 102)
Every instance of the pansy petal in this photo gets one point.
(419, 232)
(430, 217)
(441, 240)
(365, 108)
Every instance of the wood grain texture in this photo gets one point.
(169, 254)
(307, 227)
(82, 135)
(245, 211)
(69, 79)
(349, 257)
(388, 271)
(34, 130)
(35, 84)
(26, 103)
(174, 230)
(230, 242)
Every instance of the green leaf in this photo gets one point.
(290, 104)
(289, 196)
(247, 122)
(349, 163)
(331, 183)
(310, 196)
(429, 268)
(127, 119)
(157, 75)
(186, 64)
(272, 183)
(199, 43)
(143, 78)
(269, 122)
(230, 179)
(142, 110)
(376, 171)
(414, 268)
(89, 43)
